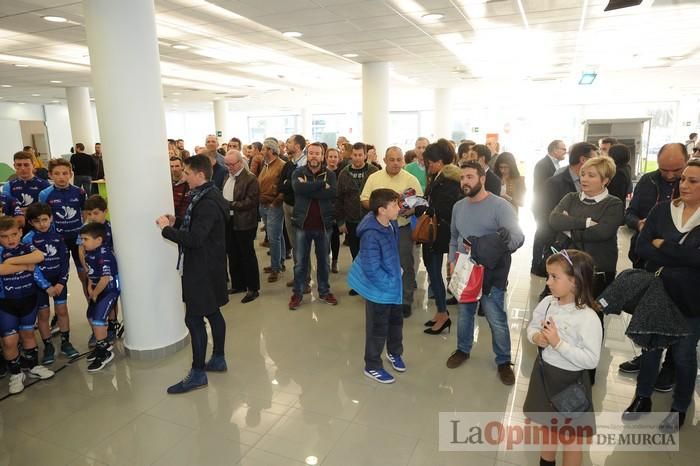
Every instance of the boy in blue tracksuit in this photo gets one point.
(376, 276)
(55, 270)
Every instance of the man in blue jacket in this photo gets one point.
(376, 276)
(313, 217)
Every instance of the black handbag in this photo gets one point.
(572, 402)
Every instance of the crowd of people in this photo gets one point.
(306, 193)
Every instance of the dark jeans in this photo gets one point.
(686, 366)
(383, 325)
(198, 336)
(242, 261)
(320, 239)
(433, 264)
(84, 182)
(335, 243)
(353, 240)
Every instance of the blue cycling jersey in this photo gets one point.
(108, 240)
(67, 207)
(9, 206)
(55, 264)
(102, 263)
(25, 192)
(20, 284)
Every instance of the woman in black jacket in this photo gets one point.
(442, 192)
(621, 183)
(670, 245)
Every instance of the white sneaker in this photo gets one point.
(16, 383)
(40, 372)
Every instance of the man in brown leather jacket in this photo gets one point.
(242, 191)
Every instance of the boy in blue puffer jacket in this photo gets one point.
(376, 276)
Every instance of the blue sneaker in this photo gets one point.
(49, 355)
(195, 379)
(68, 350)
(380, 375)
(396, 362)
(216, 364)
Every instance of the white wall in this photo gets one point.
(10, 132)
(58, 127)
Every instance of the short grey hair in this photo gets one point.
(272, 144)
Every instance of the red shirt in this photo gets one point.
(313, 220)
(180, 198)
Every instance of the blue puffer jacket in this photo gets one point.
(376, 272)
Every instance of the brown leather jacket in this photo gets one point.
(246, 197)
(269, 180)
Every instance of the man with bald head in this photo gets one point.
(242, 192)
(658, 186)
(401, 181)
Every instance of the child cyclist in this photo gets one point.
(55, 270)
(18, 293)
(567, 331)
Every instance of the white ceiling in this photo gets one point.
(237, 50)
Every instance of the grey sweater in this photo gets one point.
(600, 241)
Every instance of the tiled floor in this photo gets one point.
(295, 393)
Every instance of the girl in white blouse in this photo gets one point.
(567, 330)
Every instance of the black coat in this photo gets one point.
(204, 246)
(544, 170)
(619, 185)
(554, 190)
(442, 193)
(493, 183)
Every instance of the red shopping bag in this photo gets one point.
(467, 279)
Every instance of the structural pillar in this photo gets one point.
(80, 116)
(221, 121)
(443, 113)
(128, 92)
(375, 105)
(305, 123)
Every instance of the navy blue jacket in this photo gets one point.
(67, 207)
(376, 271)
(21, 284)
(55, 264)
(102, 263)
(26, 192)
(322, 187)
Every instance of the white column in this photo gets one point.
(443, 113)
(80, 115)
(221, 121)
(127, 83)
(305, 123)
(375, 105)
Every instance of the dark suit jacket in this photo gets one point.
(553, 191)
(246, 197)
(493, 183)
(204, 273)
(544, 170)
(218, 175)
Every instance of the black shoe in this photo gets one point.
(446, 325)
(352, 293)
(666, 380)
(236, 290)
(640, 405)
(672, 423)
(407, 311)
(428, 323)
(250, 296)
(631, 366)
(452, 301)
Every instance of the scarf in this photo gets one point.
(195, 195)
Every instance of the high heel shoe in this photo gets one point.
(446, 325)
(430, 323)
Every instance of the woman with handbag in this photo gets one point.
(442, 192)
(568, 334)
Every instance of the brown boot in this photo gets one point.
(456, 359)
(273, 277)
(505, 373)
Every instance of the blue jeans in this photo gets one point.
(686, 362)
(273, 217)
(433, 264)
(321, 241)
(492, 305)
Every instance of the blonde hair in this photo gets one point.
(604, 165)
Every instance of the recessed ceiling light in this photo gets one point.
(350, 55)
(677, 57)
(432, 16)
(55, 82)
(292, 34)
(55, 101)
(36, 95)
(6, 85)
(180, 46)
(21, 103)
(54, 19)
(92, 99)
(21, 65)
(176, 93)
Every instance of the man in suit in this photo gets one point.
(482, 154)
(201, 239)
(565, 180)
(242, 191)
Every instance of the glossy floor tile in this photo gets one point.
(295, 393)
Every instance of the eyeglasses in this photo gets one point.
(564, 254)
